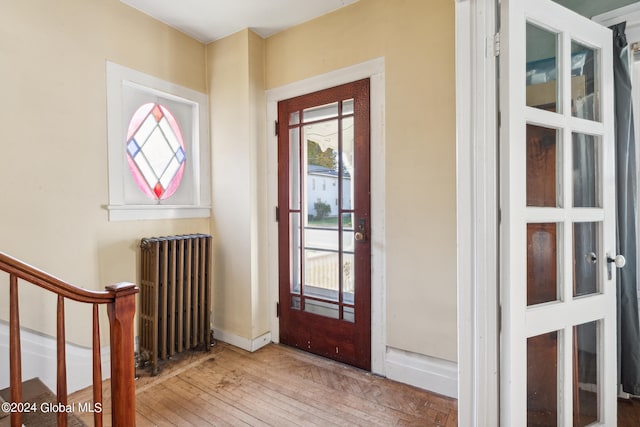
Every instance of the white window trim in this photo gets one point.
(119, 77)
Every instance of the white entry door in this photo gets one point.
(558, 289)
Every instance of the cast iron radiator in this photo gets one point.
(175, 295)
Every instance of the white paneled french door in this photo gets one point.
(558, 266)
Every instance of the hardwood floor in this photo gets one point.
(276, 386)
(281, 386)
(629, 412)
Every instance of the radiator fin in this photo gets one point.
(175, 295)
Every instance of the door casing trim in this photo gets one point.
(374, 70)
(477, 213)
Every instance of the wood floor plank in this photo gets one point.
(169, 408)
(292, 399)
(219, 414)
(228, 368)
(228, 393)
(144, 413)
(275, 386)
(207, 391)
(281, 386)
(400, 392)
(188, 400)
(629, 412)
(308, 414)
(390, 394)
(361, 410)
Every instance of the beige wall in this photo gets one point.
(54, 171)
(235, 72)
(53, 165)
(416, 38)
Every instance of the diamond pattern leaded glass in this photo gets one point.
(155, 151)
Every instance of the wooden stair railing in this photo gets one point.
(121, 306)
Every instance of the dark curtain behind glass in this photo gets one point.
(626, 193)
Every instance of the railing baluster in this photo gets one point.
(62, 363)
(97, 369)
(15, 364)
(121, 305)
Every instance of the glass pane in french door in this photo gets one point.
(585, 81)
(324, 243)
(586, 253)
(586, 153)
(586, 390)
(542, 263)
(542, 380)
(542, 68)
(544, 167)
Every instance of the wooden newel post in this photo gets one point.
(15, 358)
(123, 393)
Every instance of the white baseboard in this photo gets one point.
(429, 373)
(241, 342)
(39, 360)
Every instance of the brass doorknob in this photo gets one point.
(359, 235)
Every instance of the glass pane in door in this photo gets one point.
(542, 69)
(586, 387)
(542, 263)
(321, 112)
(325, 141)
(544, 166)
(294, 168)
(586, 171)
(321, 234)
(347, 160)
(542, 380)
(585, 82)
(295, 224)
(296, 248)
(347, 106)
(587, 258)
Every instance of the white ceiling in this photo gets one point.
(208, 20)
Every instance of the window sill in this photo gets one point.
(141, 212)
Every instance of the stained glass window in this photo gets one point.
(159, 148)
(155, 151)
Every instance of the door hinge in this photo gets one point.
(277, 309)
(277, 213)
(496, 44)
(275, 130)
